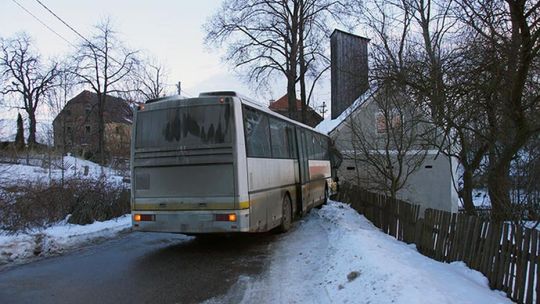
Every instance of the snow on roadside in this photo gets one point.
(336, 255)
(17, 248)
(75, 168)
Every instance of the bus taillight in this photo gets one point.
(143, 217)
(226, 217)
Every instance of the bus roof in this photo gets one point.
(255, 104)
(244, 100)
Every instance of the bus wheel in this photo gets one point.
(286, 219)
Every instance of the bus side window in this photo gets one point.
(280, 143)
(257, 133)
(310, 141)
(289, 130)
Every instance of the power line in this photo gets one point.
(75, 31)
(43, 23)
(65, 23)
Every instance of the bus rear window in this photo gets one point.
(184, 127)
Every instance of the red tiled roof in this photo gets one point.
(282, 104)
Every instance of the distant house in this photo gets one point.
(430, 185)
(281, 106)
(76, 126)
(366, 125)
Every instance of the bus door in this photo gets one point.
(303, 163)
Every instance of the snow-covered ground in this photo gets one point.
(21, 247)
(336, 255)
(74, 167)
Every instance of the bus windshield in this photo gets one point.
(186, 127)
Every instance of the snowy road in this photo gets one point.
(333, 255)
(138, 268)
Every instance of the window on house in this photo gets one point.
(88, 129)
(390, 119)
(117, 130)
(87, 110)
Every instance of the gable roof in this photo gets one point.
(282, 104)
(329, 125)
(117, 110)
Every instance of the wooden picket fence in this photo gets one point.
(506, 253)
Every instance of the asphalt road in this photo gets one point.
(139, 268)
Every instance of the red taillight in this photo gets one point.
(226, 217)
(144, 217)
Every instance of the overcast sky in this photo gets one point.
(170, 30)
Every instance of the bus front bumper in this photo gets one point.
(215, 221)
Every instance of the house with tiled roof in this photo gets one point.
(76, 127)
(281, 106)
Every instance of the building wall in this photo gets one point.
(118, 139)
(431, 186)
(76, 127)
(349, 69)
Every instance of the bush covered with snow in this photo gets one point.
(31, 205)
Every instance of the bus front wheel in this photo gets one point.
(286, 220)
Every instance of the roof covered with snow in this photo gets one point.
(328, 125)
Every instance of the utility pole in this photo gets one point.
(179, 87)
(323, 110)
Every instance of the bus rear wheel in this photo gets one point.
(286, 216)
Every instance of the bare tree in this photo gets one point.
(25, 78)
(508, 32)
(418, 46)
(149, 81)
(57, 99)
(103, 64)
(468, 63)
(389, 139)
(276, 40)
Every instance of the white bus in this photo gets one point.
(221, 163)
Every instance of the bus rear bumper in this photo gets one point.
(204, 221)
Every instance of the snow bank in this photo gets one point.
(336, 255)
(74, 168)
(20, 247)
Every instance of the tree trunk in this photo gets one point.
(19, 137)
(466, 194)
(293, 62)
(101, 127)
(291, 94)
(32, 129)
(499, 191)
(303, 69)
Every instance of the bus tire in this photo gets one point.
(286, 215)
